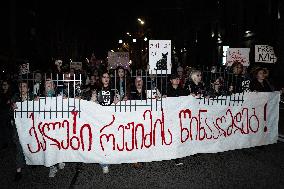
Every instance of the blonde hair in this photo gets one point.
(193, 73)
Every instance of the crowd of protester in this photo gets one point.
(121, 85)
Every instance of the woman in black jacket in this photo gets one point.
(260, 83)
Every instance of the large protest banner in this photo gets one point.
(182, 127)
(265, 54)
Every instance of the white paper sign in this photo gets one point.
(265, 54)
(98, 134)
(238, 55)
(160, 56)
(25, 68)
(224, 55)
(118, 59)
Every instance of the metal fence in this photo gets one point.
(155, 86)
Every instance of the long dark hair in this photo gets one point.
(101, 76)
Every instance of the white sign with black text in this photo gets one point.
(265, 54)
(160, 56)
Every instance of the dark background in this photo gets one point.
(41, 31)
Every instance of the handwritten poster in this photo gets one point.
(238, 54)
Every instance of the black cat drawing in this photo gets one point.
(162, 63)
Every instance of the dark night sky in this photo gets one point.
(98, 27)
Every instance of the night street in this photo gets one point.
(89, 87)
(246, 168)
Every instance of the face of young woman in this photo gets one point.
(175, 81)
(49, 85)
(72, 72)
(217, 84)
(238, 69)
(260, 75)
(120, 73)
(105, 79)
(5, 86)
(92, 80)
(23, 88)
(38, 77)
(66, 77)
(94, 96)
(180, 71)
(197, 77)
(138, 82)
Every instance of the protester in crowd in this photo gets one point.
(94, 96)
(175, 90)
(238, 81)
(37, 83)
(195, 86)
(106, 96)
(186, 74)
(157, 83)
(139, 90)
(139, 93)
(181, 75)
(121, 83)
(49, 91)
(217, 87)
(49, 88)
(69, 88)
(89, 87)
(5, 114)
(260, 82)
(23, 95)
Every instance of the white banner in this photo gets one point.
(238, 55)
(265, 53)
(185, 126)
(160, 56)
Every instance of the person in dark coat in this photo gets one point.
(175, 89)
(5, 114)
(259, 82)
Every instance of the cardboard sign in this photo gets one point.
(76, 65)
(118, 59)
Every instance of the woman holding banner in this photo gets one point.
(21, 96)
(106, 97)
